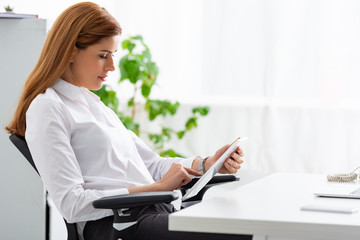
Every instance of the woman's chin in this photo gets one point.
(96, 87)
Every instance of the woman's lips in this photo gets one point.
(102, 78)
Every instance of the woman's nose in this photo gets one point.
(110, 65)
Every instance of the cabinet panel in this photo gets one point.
(22, 202)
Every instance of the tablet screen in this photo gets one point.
(213, 169)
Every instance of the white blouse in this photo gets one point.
(83, 152)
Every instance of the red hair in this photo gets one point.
(80, 26)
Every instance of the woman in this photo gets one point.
(81, 149)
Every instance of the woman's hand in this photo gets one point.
(176, 176)
(231, 165)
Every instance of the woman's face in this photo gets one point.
(89, 67)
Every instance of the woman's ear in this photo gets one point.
(73, 54)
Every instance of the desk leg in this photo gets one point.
(259, 237)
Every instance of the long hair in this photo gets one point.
(80, 26)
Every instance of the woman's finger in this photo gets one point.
(193, 172)
(240, 151)
(232, 166)
(185, 177)
(182, 183)
(236, 157)
(229, 167)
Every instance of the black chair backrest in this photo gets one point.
(21, 145)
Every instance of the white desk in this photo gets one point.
(269, 208)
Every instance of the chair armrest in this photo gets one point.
(127, 207)
(135, 200)
(213, 182)
(215, 179)
(224, 178)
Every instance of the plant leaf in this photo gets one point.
(203, 111)
(137, 37)
(191, 123)
(108, 97)
(145, 90)
(131, 102)
(170, 153)
(180, 134)
(130, 68)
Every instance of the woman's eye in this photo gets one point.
(105, 56)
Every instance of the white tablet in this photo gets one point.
(239, 142)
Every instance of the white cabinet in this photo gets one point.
(22, 201)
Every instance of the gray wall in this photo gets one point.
(22, 201)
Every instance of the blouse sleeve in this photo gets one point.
(157, 165)
(48, 135)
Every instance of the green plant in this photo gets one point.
(8, 8)
(139, 69)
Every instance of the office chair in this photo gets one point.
(127, 207)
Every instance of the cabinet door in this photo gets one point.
(22, 202)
